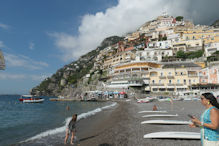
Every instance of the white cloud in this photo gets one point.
(12, 60)
(125, 17)
(9, 76)
(2, 44)
(4, 76)
(4, 26)
(31, 46)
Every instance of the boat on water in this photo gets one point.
(30, 99)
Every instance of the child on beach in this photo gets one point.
(71, 129)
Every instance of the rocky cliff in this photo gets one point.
(70, 80)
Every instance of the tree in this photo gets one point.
(181, 54)
(179, 18)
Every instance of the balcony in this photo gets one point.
(192, 75)
(203, 77)
(170, 77)
(162, 77)
(170, 84)
(157, 84)
(178, 84)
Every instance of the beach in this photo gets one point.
(121, 125)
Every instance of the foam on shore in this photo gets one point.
(67, 120)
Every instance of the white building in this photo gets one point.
(164, 44)
(211, 48)
(153, 54)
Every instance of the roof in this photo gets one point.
(180, 65)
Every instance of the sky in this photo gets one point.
(39, 37)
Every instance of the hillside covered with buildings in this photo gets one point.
(164, 55)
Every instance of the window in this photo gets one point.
(160, 81)
(181, 73)
(169, 73)
(184, 81)
(170, 81)
(178, 81)
(153, 81)
(161, 74)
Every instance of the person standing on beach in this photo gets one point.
(209, 121)
(71, 129)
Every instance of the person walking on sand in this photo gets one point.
(209, 121)
(71, 129)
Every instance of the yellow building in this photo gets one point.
(174, 77)
(186, 45)
(132, 74)
(118, 58)
(134, 36)
(208, 36)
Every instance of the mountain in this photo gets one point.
(70, 80)
(216, 24)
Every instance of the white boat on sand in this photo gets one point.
(167, 122)
(160, 115)
(174, 135)
(152, 112)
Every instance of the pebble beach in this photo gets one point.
(121, 125)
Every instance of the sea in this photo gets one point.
(22, 123)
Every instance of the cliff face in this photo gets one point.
(70, 80)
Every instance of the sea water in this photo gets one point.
(23, 122)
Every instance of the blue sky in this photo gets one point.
(29, 50)
(38, 37)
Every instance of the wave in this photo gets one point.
(67, 120)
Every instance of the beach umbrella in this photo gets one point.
(122, 92)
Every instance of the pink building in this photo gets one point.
(209, 75)
(203, 76)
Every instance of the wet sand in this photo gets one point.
(121, 126)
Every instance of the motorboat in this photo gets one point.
(30, 99)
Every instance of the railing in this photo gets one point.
(170, 84)
(178, 84)
(157, 84)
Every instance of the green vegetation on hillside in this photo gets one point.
(189, 55)
(179, 18)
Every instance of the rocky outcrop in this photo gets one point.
(76, 77)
